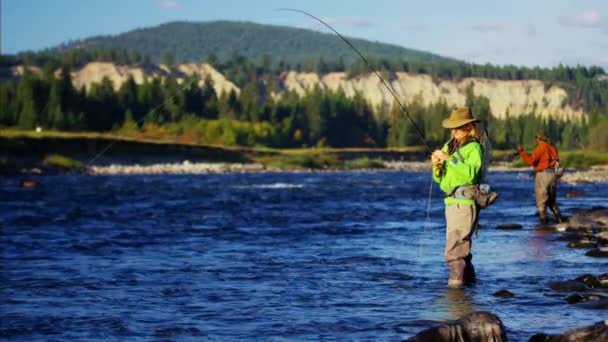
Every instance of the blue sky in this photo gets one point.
(520, 32)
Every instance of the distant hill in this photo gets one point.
(194, 42)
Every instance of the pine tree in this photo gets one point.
(127, 98)
(7, 104)
(26, 103)
(55, 115)
(396, 131)
(209, 100)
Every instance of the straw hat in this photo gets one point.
(459, 117)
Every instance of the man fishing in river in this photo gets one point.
(543, 159)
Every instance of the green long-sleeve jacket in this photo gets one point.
(462, 168)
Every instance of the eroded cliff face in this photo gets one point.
(94, 72)
(506, 97)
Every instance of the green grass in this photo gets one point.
(364, 163)
(304, 158)
(57, 160)
(300, 161)
(579, 159)
(582, 159)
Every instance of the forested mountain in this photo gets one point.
(326, 96)
(195, 42)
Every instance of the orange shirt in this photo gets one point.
(544, 156)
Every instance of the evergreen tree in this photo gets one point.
(7, 104)
(174, 100)
(397, 132)
(27, 108)
(55, 116)
(103, 110)
(127, 98)
(206, 99)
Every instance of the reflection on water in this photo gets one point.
(459, 302)
(538, 247)
(450, 304)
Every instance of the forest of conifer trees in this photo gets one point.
(195, 113)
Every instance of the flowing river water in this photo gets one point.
(271, 256)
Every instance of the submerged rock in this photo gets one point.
(577, 298)
(574, 236)
(503, 294)
(583, 243)
(597, 332)
(597, 304)
(590, 219)
(477, 326)
(568, 286)
(598, 252)
(602, 238)
(509, 226)
(594, 282)
(29, 183)
(575, 194)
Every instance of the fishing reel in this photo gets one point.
(438, 170)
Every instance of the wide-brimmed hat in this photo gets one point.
(542, 136)
(460, 116)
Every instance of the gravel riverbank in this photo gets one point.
(594, 174)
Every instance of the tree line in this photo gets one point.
(193, 112)
(587, 87)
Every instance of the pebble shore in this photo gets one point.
(594, 174)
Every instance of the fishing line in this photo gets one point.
(393, 93)
(427, 222)
(389, 88)
(180, 90)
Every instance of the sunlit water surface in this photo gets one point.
(287, 256)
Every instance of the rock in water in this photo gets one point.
(593, 333)
(503, 294)
(598, 252)
(594, 282)
(583, 243)
(477, 326)
(593, 219)
(29, 183)
(508, 226)
(568, 286)
(577, 298)
(602, 238)
(575, 194)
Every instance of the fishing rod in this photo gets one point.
(369, 66)
(392, 92)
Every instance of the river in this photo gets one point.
(271, 256)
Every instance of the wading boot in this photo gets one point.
(557, 214)
(469, 270)
(456, 278)
(542, 215)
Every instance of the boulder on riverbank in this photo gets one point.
(477, 326)
(597, 332)
(595, 218)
